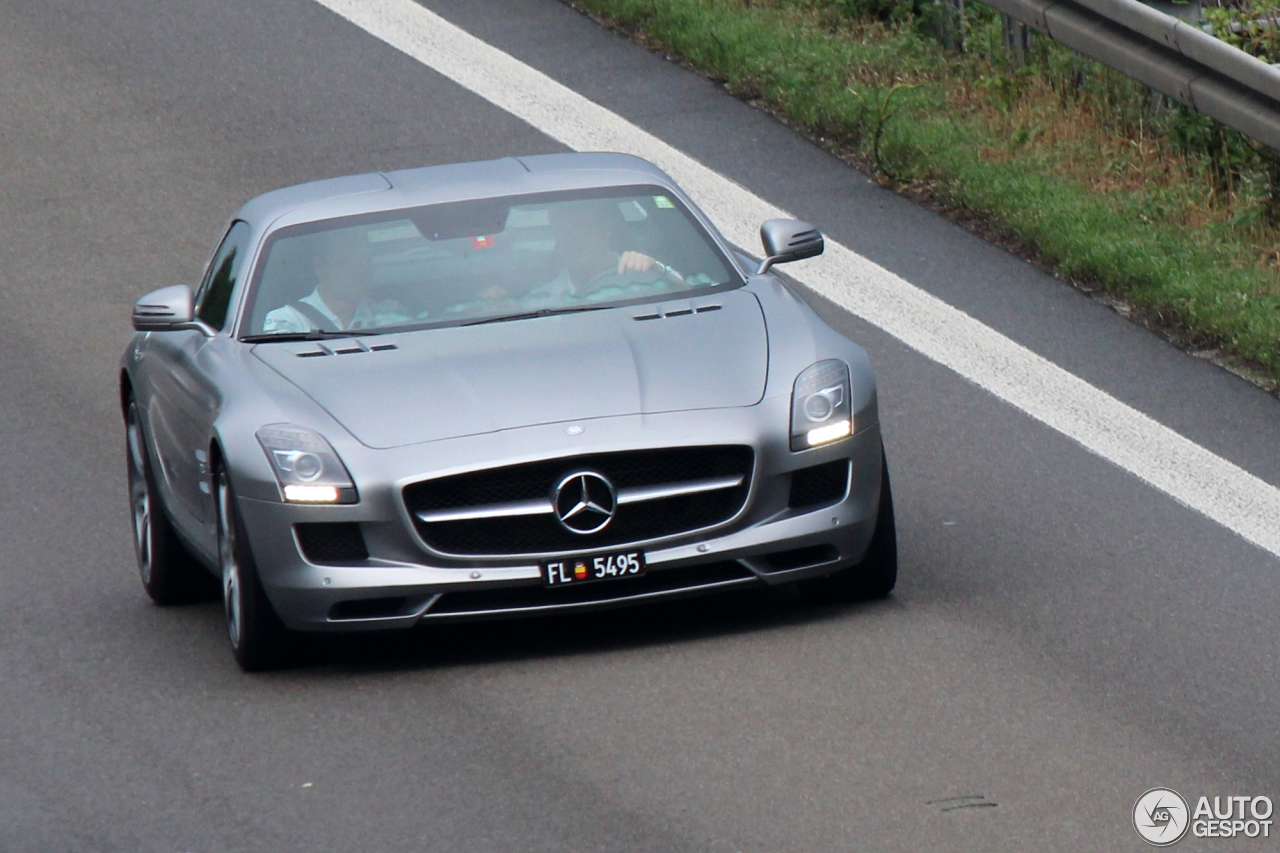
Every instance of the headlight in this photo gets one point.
(306, 467)
(820, 410)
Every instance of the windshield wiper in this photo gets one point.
(313, 335)
(541, 312)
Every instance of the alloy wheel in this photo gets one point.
(140, 496)
(232, 589)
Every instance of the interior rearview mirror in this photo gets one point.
(164, 309)
(787, 240)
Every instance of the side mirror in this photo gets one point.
(787, 240)
(164, 309)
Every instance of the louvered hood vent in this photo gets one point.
(346, 349)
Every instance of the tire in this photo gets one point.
(877, 574)
(170, 575)
(259, 640)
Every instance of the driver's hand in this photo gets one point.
(634, 262)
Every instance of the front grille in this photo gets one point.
(518, 597)
(542, 533)
(331, 543)
(819, 485)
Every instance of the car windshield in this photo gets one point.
(479, 261)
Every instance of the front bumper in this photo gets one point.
(402, 583)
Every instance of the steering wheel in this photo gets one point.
(612, 278)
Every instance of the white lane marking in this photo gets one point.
(1102, 424)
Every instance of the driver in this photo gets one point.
(341, 299)
(583, 230)
(584, 257)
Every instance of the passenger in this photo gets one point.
(341, 299)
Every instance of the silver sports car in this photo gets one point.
(492, 389)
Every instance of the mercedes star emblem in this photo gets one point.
(585, 502)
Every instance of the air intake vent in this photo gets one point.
(799, 558)
(331, 543)
(368, 608)
(820, 485)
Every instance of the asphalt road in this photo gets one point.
(1063, 638)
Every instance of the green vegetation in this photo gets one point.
(1164, 209)
(1246, 24)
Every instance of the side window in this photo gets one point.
(215, 292)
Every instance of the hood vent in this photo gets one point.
(678, 312)
(322, 350)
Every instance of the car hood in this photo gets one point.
(706, 353)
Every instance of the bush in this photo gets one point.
(1096, 178)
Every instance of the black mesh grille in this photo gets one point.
(535, 534)
(331, 543)
(819, 485)
(667, 580)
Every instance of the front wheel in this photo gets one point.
(259, 640)
(170, 575)
(877, 574)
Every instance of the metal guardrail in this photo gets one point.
(1170, 56)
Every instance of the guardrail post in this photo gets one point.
(1017, 38)
(950, 24)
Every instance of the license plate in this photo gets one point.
(603, 567)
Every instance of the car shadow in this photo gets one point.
(681, 621)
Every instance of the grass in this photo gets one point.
(1166, 211)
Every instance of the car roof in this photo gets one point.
(376, 191)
